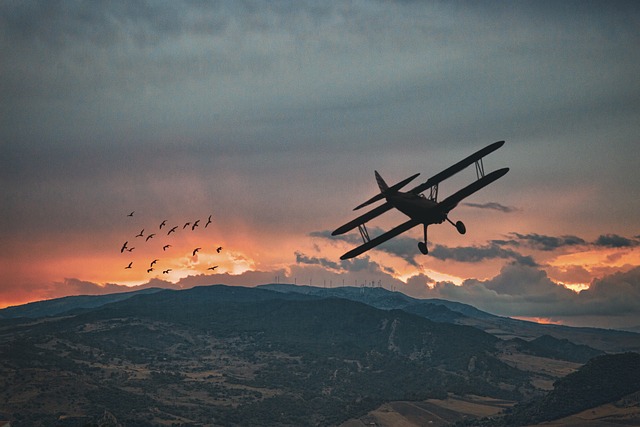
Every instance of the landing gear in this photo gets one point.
(423, 245)
(459, 225)
(423, 248)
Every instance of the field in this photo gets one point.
(438, 413)
(625, 412)
(432, 412)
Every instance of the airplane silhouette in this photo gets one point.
(419, 208)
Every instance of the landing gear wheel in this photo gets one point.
(460, 227)
(423, 248)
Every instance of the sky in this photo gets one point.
(271, 118)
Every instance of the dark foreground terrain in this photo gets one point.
(221, 355)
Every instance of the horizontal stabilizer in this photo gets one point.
(381, 196)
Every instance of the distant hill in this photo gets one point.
(437, 310)
(554, 348)
(238, 356)
(380, 298)
(603, 379)
(56, 306)
(463, 314)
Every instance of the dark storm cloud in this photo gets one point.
(521, 290)
(543, 242)
(304, 259)
(474, 254)
(354, 265)
(491, 205)
(551, 243)
(615, 241)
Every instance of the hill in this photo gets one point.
(463, 314)
(553, 348)
(603, 379)
(238, 356)
(56, 306)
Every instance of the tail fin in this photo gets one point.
(383, 185)
(385, 189)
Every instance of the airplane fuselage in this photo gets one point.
(416, 207)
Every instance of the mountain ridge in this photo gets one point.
(434, 309)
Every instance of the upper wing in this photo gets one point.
(452, 170)
(452, 201)
(381, 239)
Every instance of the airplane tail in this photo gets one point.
(384, 188)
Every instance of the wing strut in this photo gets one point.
(364, 233)
(380, 239)
(479, 168)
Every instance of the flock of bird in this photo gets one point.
(149, 236)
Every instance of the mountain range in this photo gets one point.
(271, 355)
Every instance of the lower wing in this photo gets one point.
(381, 239)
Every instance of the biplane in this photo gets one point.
(420, 209)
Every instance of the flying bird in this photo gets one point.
(131, 249)
(165, 247)
(219, 249)
(153, 262)
(185, 226)
(195, 224)
(124, 246)
(208, 222)
(212, 268)
(172, 230)
(163, 223)
(149, 270)
(196, 250)
(129, 266)
(166, 271)
(131, 214)
(140, 233)
(150, 236)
